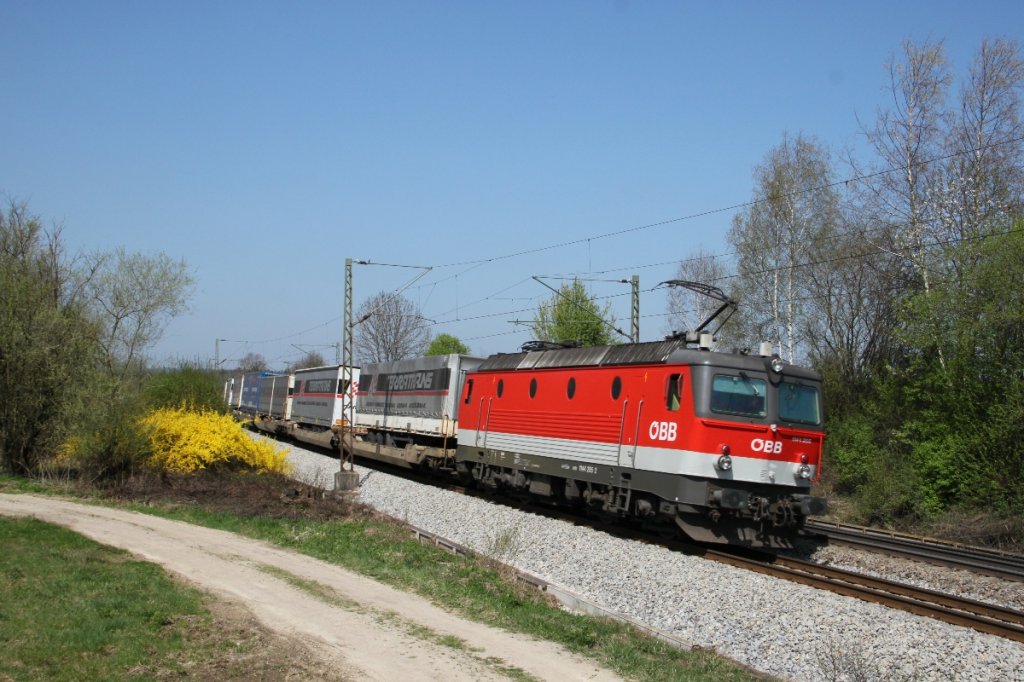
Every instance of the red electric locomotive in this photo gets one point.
(726, 445)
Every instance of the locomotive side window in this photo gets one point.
(616, 388)
(501, 387)
(570, 389)
(673, 392)
(469, 391)
(533, 388)
(799, 403)
(738, 395)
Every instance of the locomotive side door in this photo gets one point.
(629, 430)
(483, 421)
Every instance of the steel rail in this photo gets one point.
(976, 559)
(987, 618)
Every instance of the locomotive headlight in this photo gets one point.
(724, 463)
(777, 365)
(803, 471)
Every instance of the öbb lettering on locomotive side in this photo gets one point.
(724, 446)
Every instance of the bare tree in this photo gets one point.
(850, 313)
(134, 296)
(252, 362)
(687, 309)
(960, 174)
(985, 172)
(794, 206)
(909, 137)
(389, 327)
(310, 359)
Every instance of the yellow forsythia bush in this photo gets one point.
(184, 441)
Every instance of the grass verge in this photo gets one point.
(363, 541)
(72, 609)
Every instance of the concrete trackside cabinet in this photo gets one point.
(346, 481)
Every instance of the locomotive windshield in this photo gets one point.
(739, 395)
(799, 403)
(751, 397)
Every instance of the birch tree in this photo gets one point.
(793, 204)
(907, 140)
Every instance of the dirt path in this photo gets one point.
(359, 627)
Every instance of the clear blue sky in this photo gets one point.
(266, 142)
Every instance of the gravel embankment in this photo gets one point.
(784, 629)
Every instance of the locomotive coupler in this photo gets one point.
(811, 505)
(730, 498)
(759, 507)
(784, 514)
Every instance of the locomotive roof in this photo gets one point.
(672, 351)
(625, 354)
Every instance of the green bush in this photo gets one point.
(850, 451)
(889, 492)
(113, 447)
(48, 350)
(190, 385)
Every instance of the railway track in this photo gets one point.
(987, 618)
(980, 616)
(983, 617)
(978, 560)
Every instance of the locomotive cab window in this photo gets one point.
(673, 392)
(799, 403)
(739, 395)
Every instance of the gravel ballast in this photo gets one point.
(785, 629)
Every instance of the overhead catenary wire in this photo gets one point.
(736, 206)
(475, 263)
(729, 276)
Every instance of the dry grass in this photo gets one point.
(981, 529)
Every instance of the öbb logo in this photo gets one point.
(769, 447)
(663, 431)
